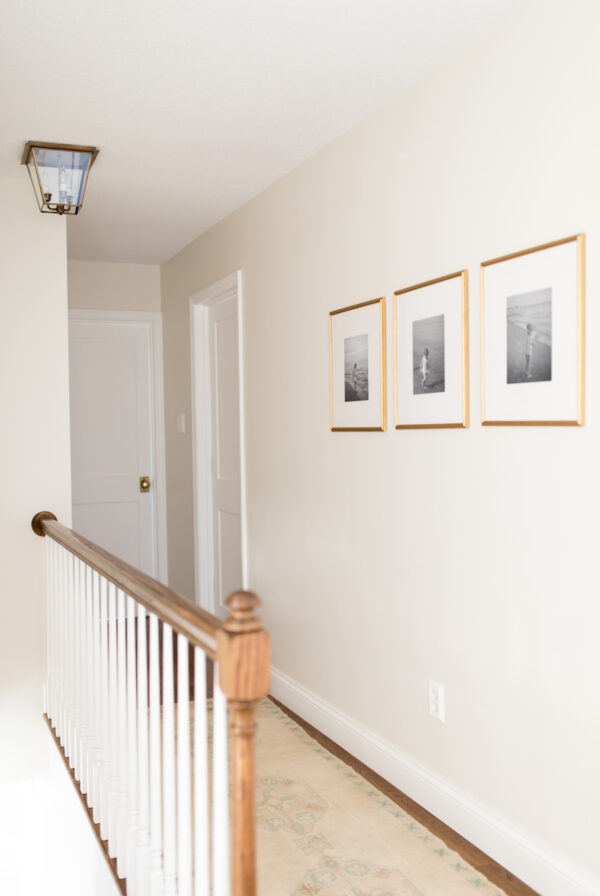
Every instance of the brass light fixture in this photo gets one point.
(59, 173)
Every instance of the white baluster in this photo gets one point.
(60, 726)
(50, 648)
(143, 865)
(66, 616)
(122, 732)
(104, 733)
(96, 742)
(69, 665)
(83, 671)
(90, 710)
(132, 773)
(201, 831)
(156, 869)
(75, 670)
(59, 646)
(184, 783)
(221, 849)
(169, 827)
(113, 722)
(56, 641)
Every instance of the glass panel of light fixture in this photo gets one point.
(62, 173)
(34, 180)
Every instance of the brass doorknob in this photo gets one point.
(144, 483)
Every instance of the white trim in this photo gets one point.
(226, 288)
(154, 319)
(528, 860)
(201, 458)
(243, 497)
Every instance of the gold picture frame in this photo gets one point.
(533, 353)
(442, 302)
(357, 367)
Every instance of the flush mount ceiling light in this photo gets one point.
(59, 173)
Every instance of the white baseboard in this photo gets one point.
(520, 855)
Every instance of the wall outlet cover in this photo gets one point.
(437, 700)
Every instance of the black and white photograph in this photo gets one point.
(356, 367)
(428, 355)
(529, 337)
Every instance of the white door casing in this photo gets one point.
(117, 434)
(217, 427)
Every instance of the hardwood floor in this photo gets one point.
(478, 859)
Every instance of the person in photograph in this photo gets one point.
(424, 367)
(428, 355)
(355, 378)
(531, 338)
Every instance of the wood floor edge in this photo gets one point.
(483, 863)
(112, 864)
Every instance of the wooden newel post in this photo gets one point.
(243, 653)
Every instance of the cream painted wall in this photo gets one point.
(105, 285)
(387, 559)
(34, 459)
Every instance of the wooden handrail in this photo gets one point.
(184, 617)
(240, 646)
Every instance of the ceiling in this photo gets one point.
(198, 105)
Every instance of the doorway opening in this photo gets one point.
(218, 443)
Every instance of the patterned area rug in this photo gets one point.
(323, 830)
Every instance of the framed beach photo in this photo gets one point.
(533, 336)
(431, 353)
(357, 367)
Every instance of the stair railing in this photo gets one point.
(172, 795)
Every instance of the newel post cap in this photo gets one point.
(36, 523)
(242, 605)
(243, 651)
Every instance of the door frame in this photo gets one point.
(154, 321)
(204, 574)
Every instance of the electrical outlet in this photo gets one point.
(437, 700)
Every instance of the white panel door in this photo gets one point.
(225, 438)
(112, 437)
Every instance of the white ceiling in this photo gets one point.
(198, 105)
